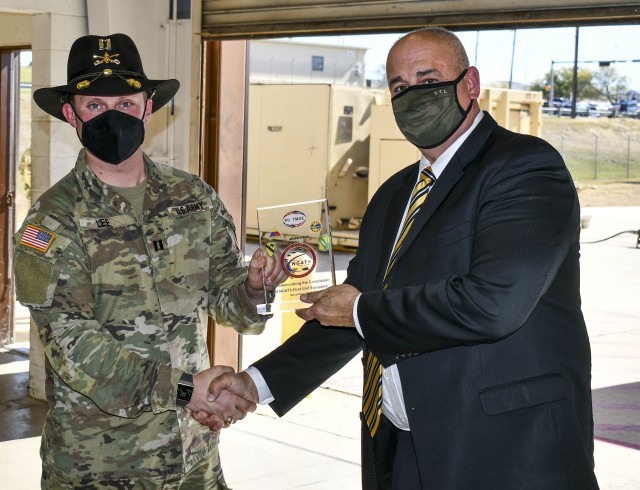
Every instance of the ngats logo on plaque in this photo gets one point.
(298, 260)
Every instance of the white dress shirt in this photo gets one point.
(392, 399)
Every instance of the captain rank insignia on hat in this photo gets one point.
(105, 45)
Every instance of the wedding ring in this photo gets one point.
(228, 421)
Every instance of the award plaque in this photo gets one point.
(299, 234)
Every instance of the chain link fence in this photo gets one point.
(590, 156)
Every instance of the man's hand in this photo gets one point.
(265, 271)
(241, 384)
(331, 307)
(227, 385)
(222, 411)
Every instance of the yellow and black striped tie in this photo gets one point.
(372, 392)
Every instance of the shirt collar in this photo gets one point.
(95, 190)
(441, 162)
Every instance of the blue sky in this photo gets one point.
(534, 50)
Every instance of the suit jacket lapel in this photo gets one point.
(451, 174)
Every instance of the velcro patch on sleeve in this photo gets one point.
(34, 278)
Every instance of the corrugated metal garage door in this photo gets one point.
(227, 19)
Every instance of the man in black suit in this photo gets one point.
(464, 295)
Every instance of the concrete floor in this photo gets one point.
(316, 446)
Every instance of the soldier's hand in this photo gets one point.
(225, 409)
(226, 389)
(265, 271)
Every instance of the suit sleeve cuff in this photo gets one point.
(264, 393)
(355, 315)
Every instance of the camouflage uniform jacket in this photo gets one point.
(121, 308)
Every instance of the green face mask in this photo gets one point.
(429, 114)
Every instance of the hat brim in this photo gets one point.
(50, 99)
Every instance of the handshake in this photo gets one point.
(221, 397)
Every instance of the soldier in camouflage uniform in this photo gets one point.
(120, 263)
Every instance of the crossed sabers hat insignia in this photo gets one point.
(106, 58)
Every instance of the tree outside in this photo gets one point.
(611, 84)
(605, 83)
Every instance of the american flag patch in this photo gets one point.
(37, 238)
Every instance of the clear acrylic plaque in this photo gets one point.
(299, 234)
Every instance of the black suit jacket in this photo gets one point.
(482, 316)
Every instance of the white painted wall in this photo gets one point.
(15, 30)
(282, 61)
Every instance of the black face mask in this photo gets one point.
(112, 136)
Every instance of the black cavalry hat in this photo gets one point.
(104, 65)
